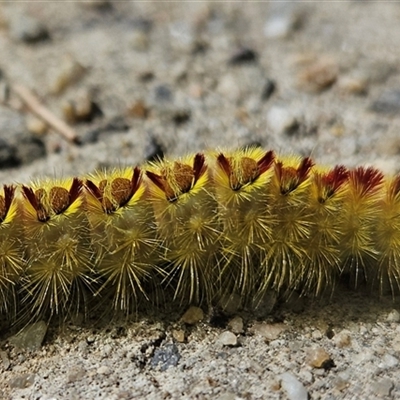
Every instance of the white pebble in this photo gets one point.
(293, 387)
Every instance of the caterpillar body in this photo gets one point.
(199, 228)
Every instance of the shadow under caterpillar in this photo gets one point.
(195, 230)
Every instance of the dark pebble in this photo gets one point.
(29, 30)
(8, 155)
(166, 356)
(116, 125)
(387, 103)
(243, 56)
(154, 150)
(162, 93)
(29, 148)
(181, 116)
(268, 89)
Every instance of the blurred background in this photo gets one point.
(123, 82)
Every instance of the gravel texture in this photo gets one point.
(137, 80)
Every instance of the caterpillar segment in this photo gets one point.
(287, 202)
(241, 179)
(181, 194)
(12, 251)
(127, 250)
(57, 244)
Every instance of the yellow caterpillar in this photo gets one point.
(197, 229)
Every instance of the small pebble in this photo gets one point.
(383, 387)
(23, 381)
(393, 316)
(236, 325)
(31, 337)
(342, 339)
(388, 361)
(36, 126)
(138, 110)
(166, 356)
(281, 25)
(192, 316)
(179, 335)
(387, 103)
(243, 56)
(81, 109)
(5, 360)
(319, 358)
(27, 29)
(353, 85)
(267, 331)
(8, 155)
(318, 76)
(294, 389)
(281, 120)
(103, 370)
(268, 89)
(76, 373)
(70, 72)
(227, 339)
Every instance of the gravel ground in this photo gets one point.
(140, 79)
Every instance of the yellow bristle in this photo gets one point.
(185, 212)
(241, 180)
(287, 201)
(57, 243)
(11, 248)
(360, 217)
(388, 236)
(127, 250)
(321, 263)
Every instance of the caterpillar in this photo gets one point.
(196, 229)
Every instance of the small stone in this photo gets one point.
(103, 370)
(353, 85)
(138, 110)
(340, 384)
(243, 56)
(81, 109)
(268, 89)
(167, 356)
(282, 121)
(236, 325)
(90, 339)
(31, 337)
(316, 334)
(70, 72)
(5, 360)
(281, 25)
(179, 335)
(319, 358)
(383, 387)
(75, 374)
(8, 155)
(388, 361)
(342, 339)
(387, 103)
(227, 339)
(318, 76)
(393, 316)
(27, 29)
(192, 316)
(36, 126)
(294, 389)
(22, 381)
(268, 331)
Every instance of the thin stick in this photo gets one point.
(34, 104)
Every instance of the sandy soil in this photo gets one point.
(152, 77)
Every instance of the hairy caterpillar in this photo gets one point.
(199, 227)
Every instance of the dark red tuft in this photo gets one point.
(335, 178)
(30, 196)
(304, 169)
(223, 162)
(367, 179)
(94, 190)
(199, 166)
(136, 180)
(156, 179)
(9, 192)
(75, 190)
(266, 161)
